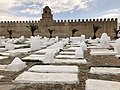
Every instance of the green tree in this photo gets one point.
(95, 29)
(32, 28)
(10, 32)
(73, 32)
(50, 32)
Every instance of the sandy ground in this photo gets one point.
(99, 61)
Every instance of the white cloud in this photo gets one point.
(58, 6)
(114, 13)
(28, 11)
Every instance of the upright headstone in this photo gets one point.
(104, 41)
(2, 43)
(56, 39)
(60, 45)
(83, 37)
(49, 56)
(35, 43)
(21, 39)
(9, 45)
(117, 46)
(16, 65)
(83, 45)
(79, 53)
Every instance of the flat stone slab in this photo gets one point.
(65, 57)
(99, 49)
(20, 45)
(1, 76)
(22, 50)
(105, 70)
(67, 53)
(103, 53)
(72, 48)
(118, 56)
(34, 57)
(93, 84)
(3, 67)
(5, 53)
(3, 57)
(92, 47)
(69, 61)
(33, 77)
(2, 49)
(74, 45)
(54, 69)
(43, 51)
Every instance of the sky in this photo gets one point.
(24, 10)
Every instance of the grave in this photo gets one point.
(35, 43)
(16, 65)
(79, 53)
(3, 57)
(93, 84)
(21, 50)
(54, 69)
(51, 78)
(105, 52)
(9, 45)
(1, 76)
(67, 53)
(69, 61)
(65, 57)
(105, 70)
(104, 41)
(49, 57)
(117, 46)
(43, 51)
(83, 45)
(34, 57)
(3, 67)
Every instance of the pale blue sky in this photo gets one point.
(16, 10)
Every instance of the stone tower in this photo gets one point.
(47, 16)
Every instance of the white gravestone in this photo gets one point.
(56, 39)
(2, 43)
(9, 45)
(49, 56)
(83, 45)
(35, 43)
(79, 53)
(21, 39)
(16, 65)
(117, 46)
(83, 37)
(104, 41)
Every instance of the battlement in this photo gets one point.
(20, 22)
(64, 21)
(86, 20)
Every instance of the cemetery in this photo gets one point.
(64, 60)
(39, 63)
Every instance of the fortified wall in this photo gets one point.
(62, 28)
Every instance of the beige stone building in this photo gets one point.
(62, 28)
